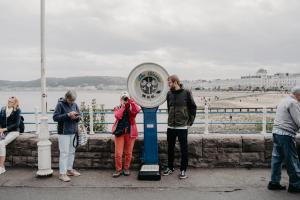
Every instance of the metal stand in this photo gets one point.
(150, 168)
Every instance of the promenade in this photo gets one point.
(215, 184)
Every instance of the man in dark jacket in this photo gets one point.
(67, 115)
(182, 113)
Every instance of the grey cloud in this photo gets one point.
(197, 39)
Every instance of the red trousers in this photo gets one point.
(124, 144)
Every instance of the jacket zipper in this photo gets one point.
(174, 108)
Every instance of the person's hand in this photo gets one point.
(73, 115)
(1, 131)
(123, 102)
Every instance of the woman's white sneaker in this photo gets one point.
(64, 178)
(73, 172)
(2, 170)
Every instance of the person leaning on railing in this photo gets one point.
(67, 115)
(286, 125)
(9, 125)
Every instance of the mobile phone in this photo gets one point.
(2, 137)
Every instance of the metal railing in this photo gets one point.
(206, 111)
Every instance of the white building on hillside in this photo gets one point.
(261, 80)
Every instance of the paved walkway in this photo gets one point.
(98, 184)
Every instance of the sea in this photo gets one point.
(31, 100)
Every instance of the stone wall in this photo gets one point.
(205, 151)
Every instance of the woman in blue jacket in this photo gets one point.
(67, 115)
(9, 127)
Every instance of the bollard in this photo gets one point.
(91, 120)
(264, 120)
(36, 119)
(44, 149)
(206, 119)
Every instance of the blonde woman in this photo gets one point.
(9, 127)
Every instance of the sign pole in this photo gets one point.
(150, 136)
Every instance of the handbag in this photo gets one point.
(81, 136)
(21, 126)
(118, 131)
(122, 126)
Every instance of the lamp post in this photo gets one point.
(44, 145)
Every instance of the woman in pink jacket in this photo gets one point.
(125, 131)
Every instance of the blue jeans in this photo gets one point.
(66, 153)
(284, 149)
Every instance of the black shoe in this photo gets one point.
(276, 186)
(293, 189)
(168, 171)
(183, 175)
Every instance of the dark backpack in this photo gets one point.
(122, 124)
(21, 126)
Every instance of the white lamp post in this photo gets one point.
(44, 145)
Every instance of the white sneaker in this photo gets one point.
(73, 172)
(64, 178)
(2, 170)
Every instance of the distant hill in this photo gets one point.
(99, 82)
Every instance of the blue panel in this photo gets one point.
(150, 136)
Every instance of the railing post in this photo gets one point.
(36, 119)
(264, 120)
(91, 112)
(206, 119)
(102, 118)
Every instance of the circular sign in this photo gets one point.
(148, 84)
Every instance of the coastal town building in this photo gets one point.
(261, 80)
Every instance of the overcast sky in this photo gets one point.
(196, 39)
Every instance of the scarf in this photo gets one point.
(8, 111)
